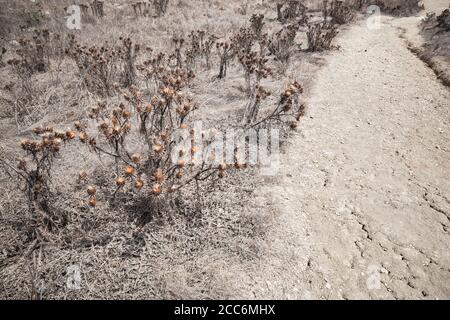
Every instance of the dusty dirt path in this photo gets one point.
(363, 202)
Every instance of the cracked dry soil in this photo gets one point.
(362, 200)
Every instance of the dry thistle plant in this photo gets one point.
(253, 107)
(164, 164)
(339, 11)
(200, 46)
(282, 44)
(128, 56)
(100, 67)
(290, 10)
(226, 52)
(243, 41)
(34, 170)
(177, 56)
(288, 109)
(96, 66)
(320, 35)
(255, 69)
(33, 54)
(154, 67)
(257, 24)
(193, 51)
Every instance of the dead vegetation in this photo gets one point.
(400, 7)
(126, 179)
(435, 30)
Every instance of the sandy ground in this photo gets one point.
(363, 197)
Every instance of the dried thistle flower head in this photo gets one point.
(157, 189)
(139, 184)
(71, 135)
(56, 145)
(91, 190)
(83, 137)
(136, 158)
(93, 201)
(159, 176)
(78, 125)
(293, 125)
(22, 165)
(24, 143)
(129, 171)
(120, 182)
(82, 175)
(158, 148)
(126, 114)
(164, 136)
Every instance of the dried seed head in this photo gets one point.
(93, 201)
(83, 137)
(120, 182)
(116, 130)
(156, 189)
(24, 143)
(78, 125)
(91, 191)
(181, 163)
(158, 148)
(129, 171)
(159, 176)
(179, 174)
(22, 165)
(293, 125)
(139, 184)
(82, 175)
(71, 135)
(136, 158)
(56, 145)
(126, 114)
(127, 127)
(164, 136)
(221, 174)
